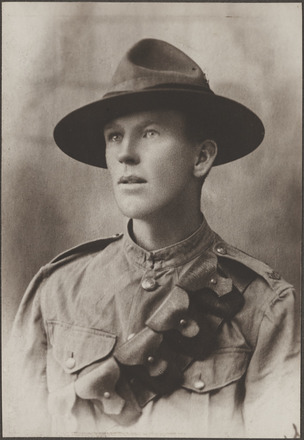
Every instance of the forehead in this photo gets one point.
(170, 119)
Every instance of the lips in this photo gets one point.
(131, 179)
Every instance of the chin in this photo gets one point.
(136, 211)
(139, 214)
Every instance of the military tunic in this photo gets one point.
(195, 339)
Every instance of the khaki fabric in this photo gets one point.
(92, 310)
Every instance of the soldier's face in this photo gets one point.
(151, 158)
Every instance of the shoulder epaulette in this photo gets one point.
(88, 247)
(250, 266)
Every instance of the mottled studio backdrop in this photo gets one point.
(59, 56)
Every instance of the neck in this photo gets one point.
(156, 233)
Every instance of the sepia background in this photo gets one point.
(59, 56)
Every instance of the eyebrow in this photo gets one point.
(111, 125)
(144, 123)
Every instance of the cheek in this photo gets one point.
(108, 156)
(110, 163)
(174, 170)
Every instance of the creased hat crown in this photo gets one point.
(153, 63)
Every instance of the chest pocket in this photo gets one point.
(76, 347)
(222, 368)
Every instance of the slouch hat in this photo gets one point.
(154, 74)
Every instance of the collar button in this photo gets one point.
(150, 359)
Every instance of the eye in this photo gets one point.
(150, 134)
(114, 137)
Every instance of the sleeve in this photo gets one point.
(24, 372)
(272, 384)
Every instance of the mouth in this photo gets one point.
(131, 179)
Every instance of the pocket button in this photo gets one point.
(199, 385)
(70, 362)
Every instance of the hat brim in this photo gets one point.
(236, 129)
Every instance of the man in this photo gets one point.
(166, 330)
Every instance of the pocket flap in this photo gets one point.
(76, 347)
(218, 370)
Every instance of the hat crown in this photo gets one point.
(154, 63)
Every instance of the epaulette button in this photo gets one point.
(220, 249)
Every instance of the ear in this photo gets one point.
(206, 154)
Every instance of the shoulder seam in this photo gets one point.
(267, 305)
(87, 247)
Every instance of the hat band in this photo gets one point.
(173, 86)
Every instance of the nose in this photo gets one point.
(128, 152)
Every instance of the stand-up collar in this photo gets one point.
(174, 255)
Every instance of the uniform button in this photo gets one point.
(131, 335)
(199, 384)
(221, 250)
(150, 359)
(149, 284)
(183, 322)
(107, 395)
(70, 362)
(213, 281)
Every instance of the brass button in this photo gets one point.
(183, 322)
(131, 335)
(70, 362)
(199, 384)
(221, 250)
(107, 395)
(213, 281)
(149, 284)
(150, 359)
